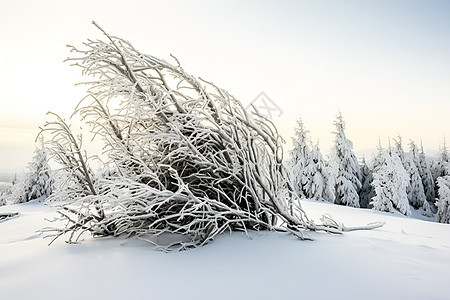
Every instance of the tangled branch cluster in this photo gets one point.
(188, 159)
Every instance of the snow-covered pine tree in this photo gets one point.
(443, 202)
(2, 197)
(6, 192)
(427, 210)
(416, 193)
(15, 179)
(300, 157)
(427, 177)
(317, 177)
(397, 150)
(401, 183)
(390, 181)
(377, 159)
(39, 182)
(381, 179)
(415, 190)
(17, 191)
(36, 183)
(367, 191)
(440, 166)
(345, 167)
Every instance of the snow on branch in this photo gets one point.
(187, 159)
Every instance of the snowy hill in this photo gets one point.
(406, 259)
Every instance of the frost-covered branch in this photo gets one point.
(66, 149)
(188, 160)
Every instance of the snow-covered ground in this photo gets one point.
(408, 258)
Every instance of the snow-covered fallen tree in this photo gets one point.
(187, 159)
(6, 216)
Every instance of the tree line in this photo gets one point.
(396, 180)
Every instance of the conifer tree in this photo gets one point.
(345, 167)
(381, 178)
(440, 165)
(416, 194)
(3, 194)
(317, 177)
(427, 210)
(36, 183)
(17, 191)
(390, 181)
(15, 179)
(427, 178)
(443, 202)
(38, 180)
(415, 190)
(367, 191)
(423, 168)
(299, 159)
(401, 184)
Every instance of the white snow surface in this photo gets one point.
(408, 258)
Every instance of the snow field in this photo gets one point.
(406, 259)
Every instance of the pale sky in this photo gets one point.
(384, 64)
